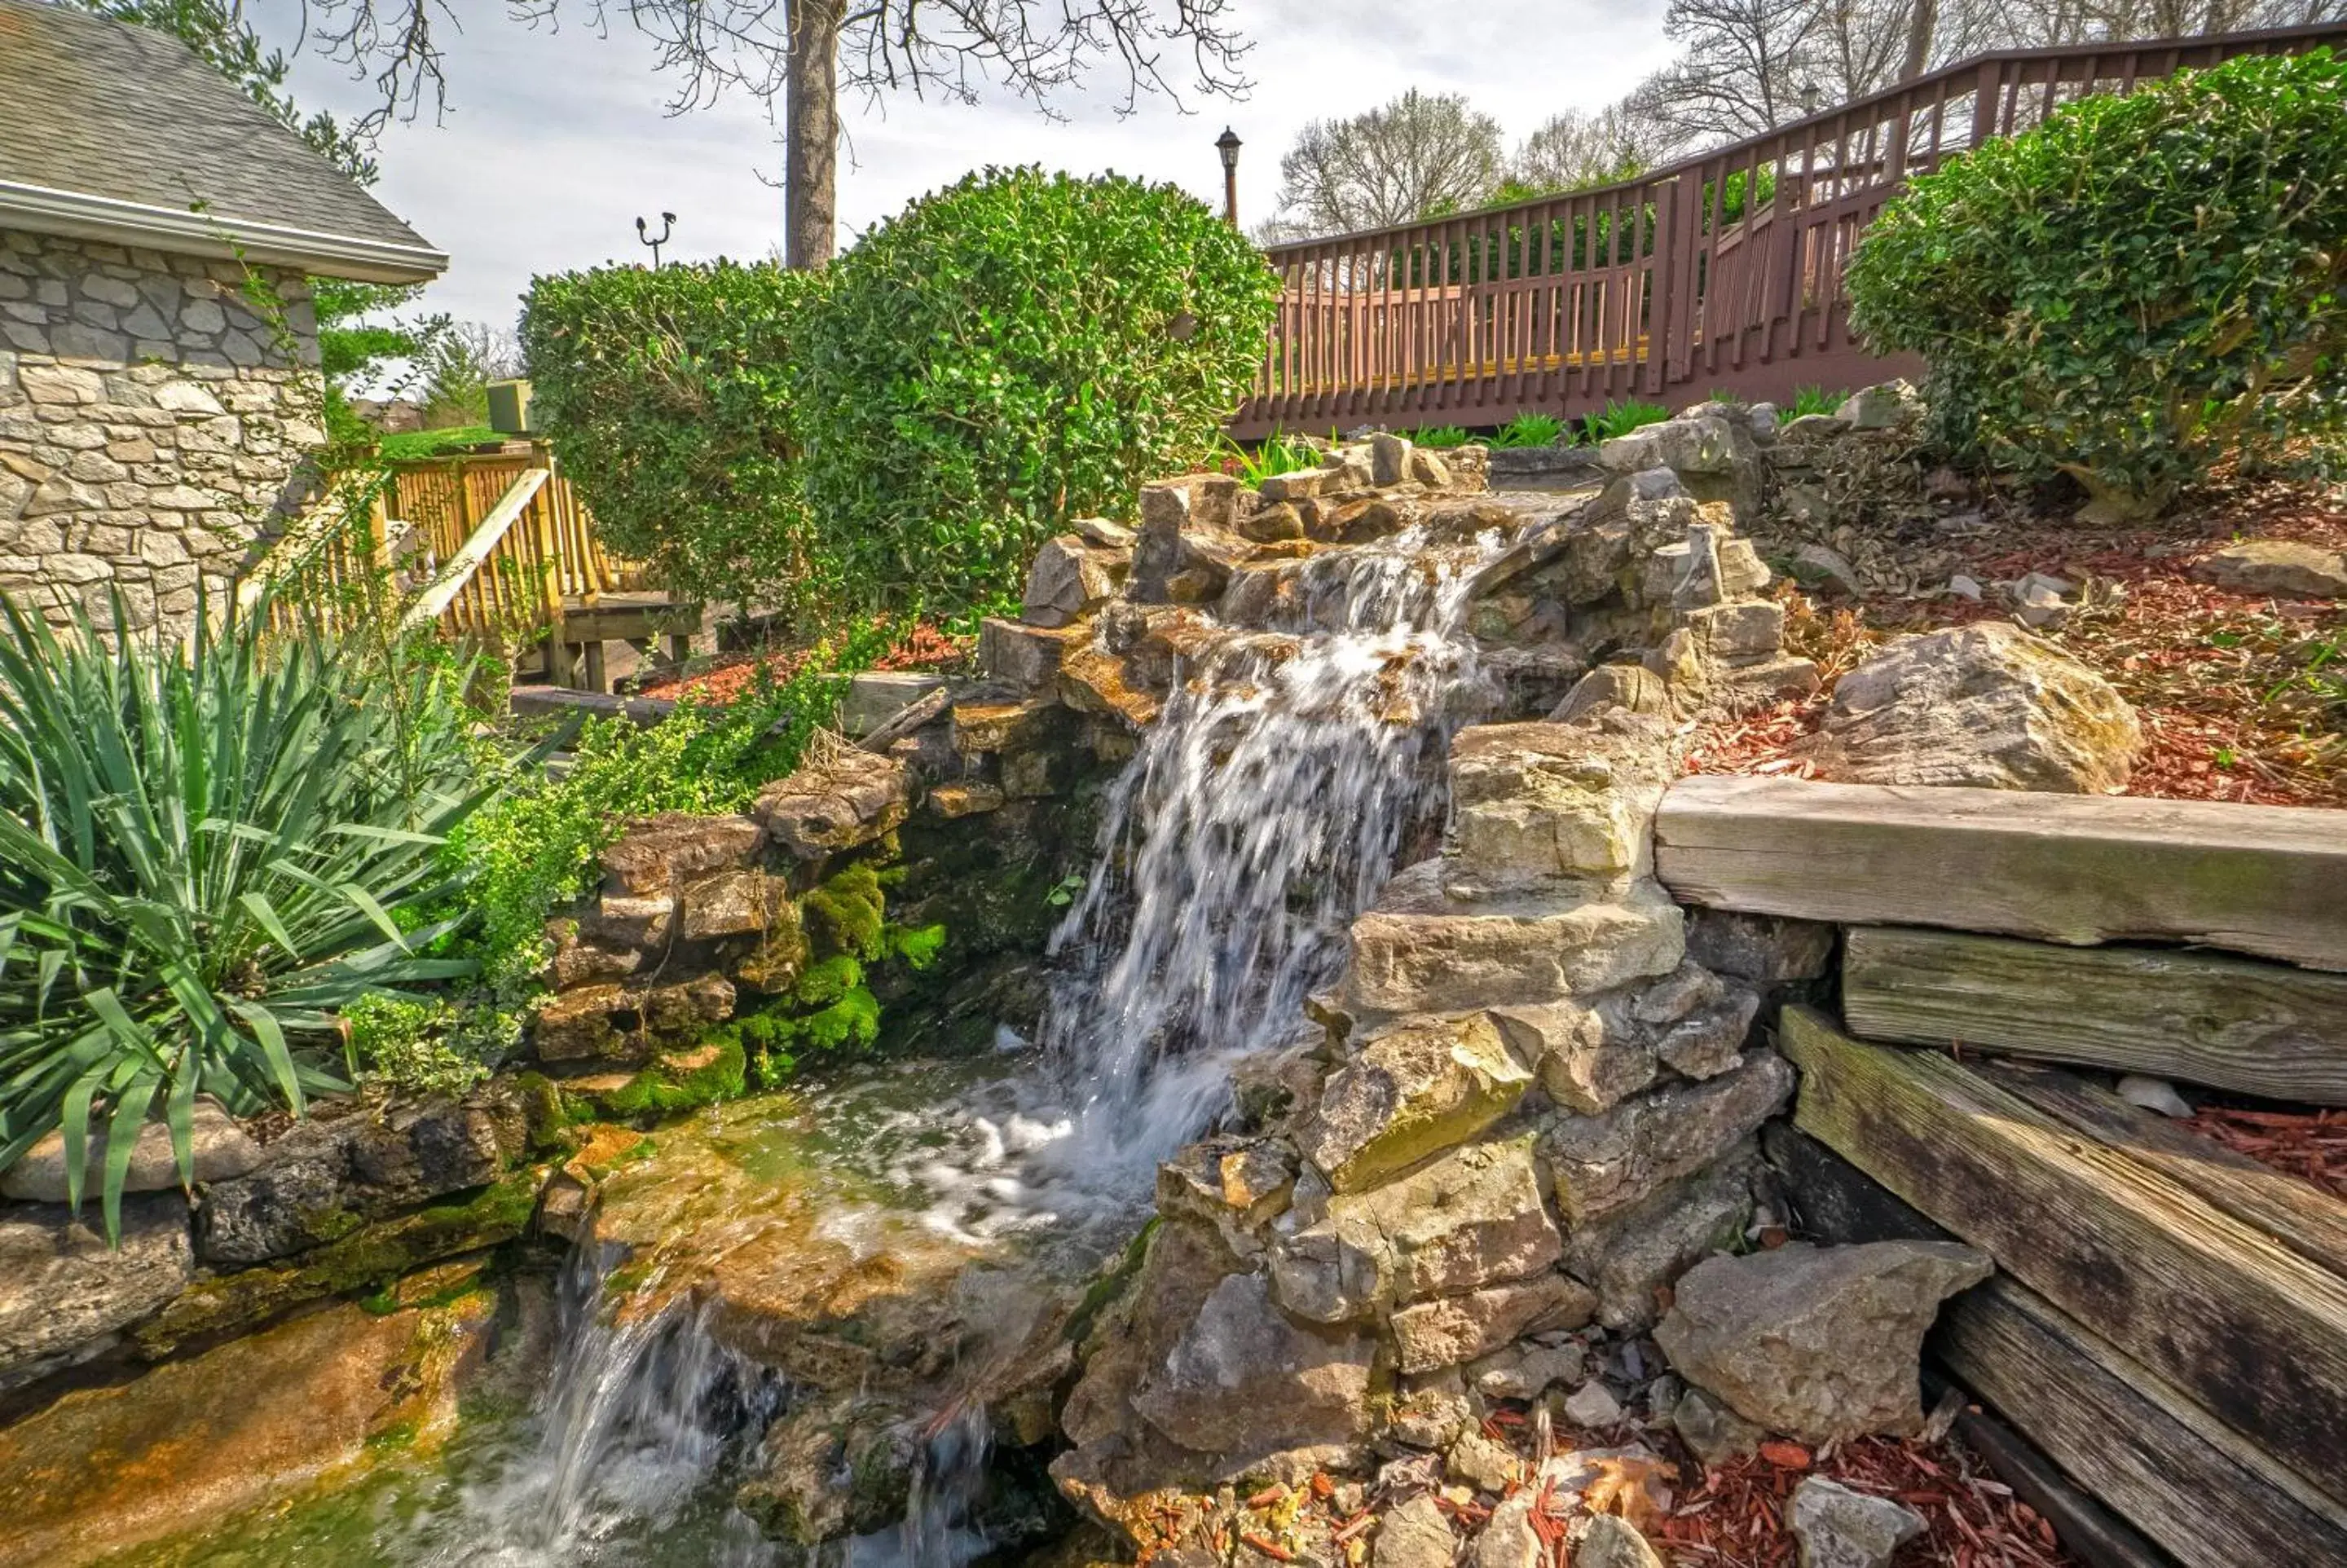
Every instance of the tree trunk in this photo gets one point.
(1922, 21)
(811, 134)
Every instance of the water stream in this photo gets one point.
(1291, 768)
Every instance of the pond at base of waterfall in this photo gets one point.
(883, 1197)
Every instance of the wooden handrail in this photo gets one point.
(460, 568)
(1719, 273)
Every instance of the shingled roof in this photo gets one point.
(113, 132)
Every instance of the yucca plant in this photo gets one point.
(205, 851)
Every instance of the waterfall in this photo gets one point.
(1263, 811)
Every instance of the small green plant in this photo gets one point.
(1808, 400)
(2137, 288)
(1439, 437)
(210, 850)
(1619, 419)
(1278, 455)
(1528, 430)
(433, 1045)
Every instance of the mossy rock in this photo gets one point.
(680, 1081)
(367, 1260)
(846, 913)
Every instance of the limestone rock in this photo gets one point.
(1068, 579)
(2278, 567)
(1592, 1405)
(1766, 949)
(1445, 1332)
(1840, 1528)
(1716, 1433)
(1557, 800)
(1431, 1411)
(844, 800)
(1025, 658)
(1590, 1056)
(1389, 457)
(1600, 1165)
(1822, 1343)
(295, 1200)
(1423, 949)
(1985, 705)
(1476, 1460)
(219, 1146)
(1415, 1535)
(1887, 406)
(730, 904)
(875, 696)
(1470, 1219)
(415, 1148)
(64, 1293)
(1631, 686)
(1630, 1255)
(1411, 1092)
(658, 854)
(1612, 1542)
(1508, 1539)
(1242, 1381)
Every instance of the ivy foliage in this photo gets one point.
(900, 431)
(667, 395)
(2137, 288)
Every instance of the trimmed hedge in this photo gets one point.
(667, 395)
(2137, 288)
(900, 431)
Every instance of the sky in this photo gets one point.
(554, 141)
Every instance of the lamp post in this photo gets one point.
(1227, 144)
(668, 226)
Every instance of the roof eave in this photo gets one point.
(39, 210)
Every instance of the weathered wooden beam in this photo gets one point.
(2251, 1331)
(2272, 1029)
(2080, 870)
(2087, 1529)
(533, 701)
(2293, 1211)
(2135, 1442)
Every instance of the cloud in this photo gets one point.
(556, 140)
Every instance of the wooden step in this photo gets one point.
(2272, 1029)
(2155, 1458)
(2080, 870)
(2250, 1329)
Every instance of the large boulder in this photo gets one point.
(1244, 1382)
(1822, 1343)
(1412, 1091)
(65, 1294)
(1986, 706)
(219, 1148)
(1472, 1218)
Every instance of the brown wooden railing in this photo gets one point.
(1721, 272)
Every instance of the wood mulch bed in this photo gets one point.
(2229, 685)
(2308, 1144)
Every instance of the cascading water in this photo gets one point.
(1264, 811)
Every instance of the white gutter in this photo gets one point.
(37, 210)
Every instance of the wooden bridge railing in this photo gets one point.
(1723, 272)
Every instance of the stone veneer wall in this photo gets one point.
(151, 424)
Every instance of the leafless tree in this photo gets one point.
(1421, 155)
(1575, 150)
(798, 56)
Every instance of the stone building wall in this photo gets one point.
(151, 424)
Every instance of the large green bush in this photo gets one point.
(667, 395)
(205, 854)
(2136, 289)
(1010, 353)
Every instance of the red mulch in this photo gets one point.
(2218, 678)
(1737, 1515)
(2311, 1145)
(737, 675)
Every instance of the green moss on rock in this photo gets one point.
(845, 913)
(681, 1082)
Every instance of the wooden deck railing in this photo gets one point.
(492, 547)
(1723, 272)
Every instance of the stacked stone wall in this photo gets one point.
(152, 423)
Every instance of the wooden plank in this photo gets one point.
(2253, 1332)
(2295, 1213)
(2261, 879)
(2231, 1023)
(485, 538)
(2132, 1439)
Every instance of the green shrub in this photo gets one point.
(1012, 351)
(2135, 288)
(666, 394)
(431, 1045)
(207, 852)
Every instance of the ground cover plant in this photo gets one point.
(2137, 289)
(208, 852)
(1528, 430)
(1618, 419)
